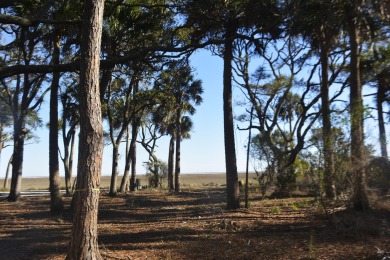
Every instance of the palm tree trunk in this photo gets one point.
(133, 153)
(114, 170)
(178, 143)
(232, 188)
(171, 154)
(66, 169)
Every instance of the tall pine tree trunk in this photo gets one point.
(56, 204)
(327, 135)
(232, 188)
(84, 244)
(360, 198)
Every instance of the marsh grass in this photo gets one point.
(187, 181)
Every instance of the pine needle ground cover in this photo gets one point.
(157, 224)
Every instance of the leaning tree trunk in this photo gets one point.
(114, 169)
(56, 204)
(360, 198)
(17, 161)
(327, 135)
(7, 172)
(126, 175)
(71, 155)
(68, 158)
(232, 188)
(84, 244)
(381, 94)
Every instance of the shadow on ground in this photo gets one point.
(195, 225)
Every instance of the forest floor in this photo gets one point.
(154, 224)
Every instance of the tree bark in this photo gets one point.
(232, 188)
(71, 155)
(126, 179)
(7, 172)
(56, 204)
(136, 121)
(114, 170)
(68, 139)
(84, 244)
(68, 156)
(178, 143)
(171, 155)
(17, 161)
(327, 135)
(360, 198)
(133, 152)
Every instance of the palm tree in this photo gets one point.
(179, 83)
(164, 117)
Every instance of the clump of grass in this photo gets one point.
(295, 207)
(276, 210)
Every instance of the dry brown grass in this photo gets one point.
(187, 180)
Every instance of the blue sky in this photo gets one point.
(203, 153)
